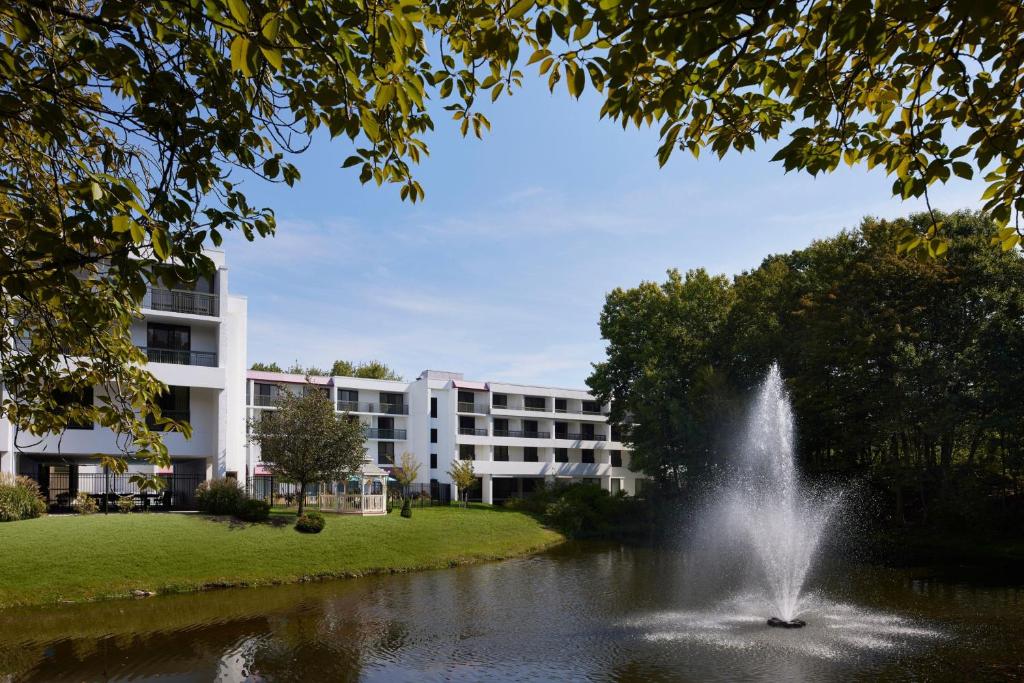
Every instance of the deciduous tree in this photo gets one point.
(305, 442)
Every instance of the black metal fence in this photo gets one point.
(61, 488)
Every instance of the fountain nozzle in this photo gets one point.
(782, 623)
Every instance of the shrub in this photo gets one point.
(584, 510)
(86, 504)
(407, 508)
(220, 497)
(253, 510)
(310, 523)
(19, 498)
(125, 504)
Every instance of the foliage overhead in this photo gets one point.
(266, 367)
(128, 130)
(303, 441)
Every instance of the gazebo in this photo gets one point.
(364, 492)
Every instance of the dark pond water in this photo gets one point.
(576, 613)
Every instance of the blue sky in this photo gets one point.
(501, 273)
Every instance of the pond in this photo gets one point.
(578, 612)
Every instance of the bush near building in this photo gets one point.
(19, 498)
(585, 511)
(220, 497)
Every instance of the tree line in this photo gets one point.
(373, 369)
(903, 371)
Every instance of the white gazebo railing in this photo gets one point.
(360, 493)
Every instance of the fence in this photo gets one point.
(60, 489)
(285, 494)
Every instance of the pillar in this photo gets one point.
(487, 485)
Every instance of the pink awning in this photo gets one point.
(261, 470)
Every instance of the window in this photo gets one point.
(466, 397)
(588, 432)
(172, 337)
(530, 454)
(385, 452)
(538, 403)
(561, 455)
(433, 406)
(561, 405)
(591, 407)
(231, 474)
(433, 461)
(616, 486)
(561, 430)
(587, 455)
(529, 428)
(387, 423)
(392, 403)
(616, 458)
(348, 399)
(66, 399)
(467, 451)
(174, 404)
(500, 427)
(433, 436)
(501, 453)
(616, 433)
(467, 424)
(500, 401)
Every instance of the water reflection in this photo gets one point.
(575, 613)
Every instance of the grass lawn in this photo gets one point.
(74, 558)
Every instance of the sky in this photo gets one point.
(502, 271)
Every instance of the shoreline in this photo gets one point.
(350, 547)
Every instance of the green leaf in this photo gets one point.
(121, 223)
(239, 11)
(239, 55)
(519, 9)
(543, 28)
(97, 191)
(272, 56)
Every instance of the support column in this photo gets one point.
(487, 484)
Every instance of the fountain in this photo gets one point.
(765, 514)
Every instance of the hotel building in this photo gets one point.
(195, 339)
(516, 435)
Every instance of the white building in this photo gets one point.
(517, 435)
(195, 339)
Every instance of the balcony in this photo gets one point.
(477, 408)
(519, 434)
(383, 408)
(206, 359)
(264, 401)
(579, 436)
(181, 301)
(384, 434)
(472, 431)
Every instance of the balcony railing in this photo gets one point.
(206, 359)
(579, 436)
(536, 409)
(519, 434)
(472, 431)
(478, 408)
(384, 434)
(181, 301)
(385, 408)
(264, 401)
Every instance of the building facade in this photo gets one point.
(195, 339)
(516, 435)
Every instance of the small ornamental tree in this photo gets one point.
(464, 476)
(406, 472)
(304, 441)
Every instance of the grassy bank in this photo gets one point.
(72, 558)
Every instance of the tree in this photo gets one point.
(127, 130)
(924, 90)
(369, 370)
(266, 367)
(407, 472)
(464, 477)
(304, 441)
(659, 373)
